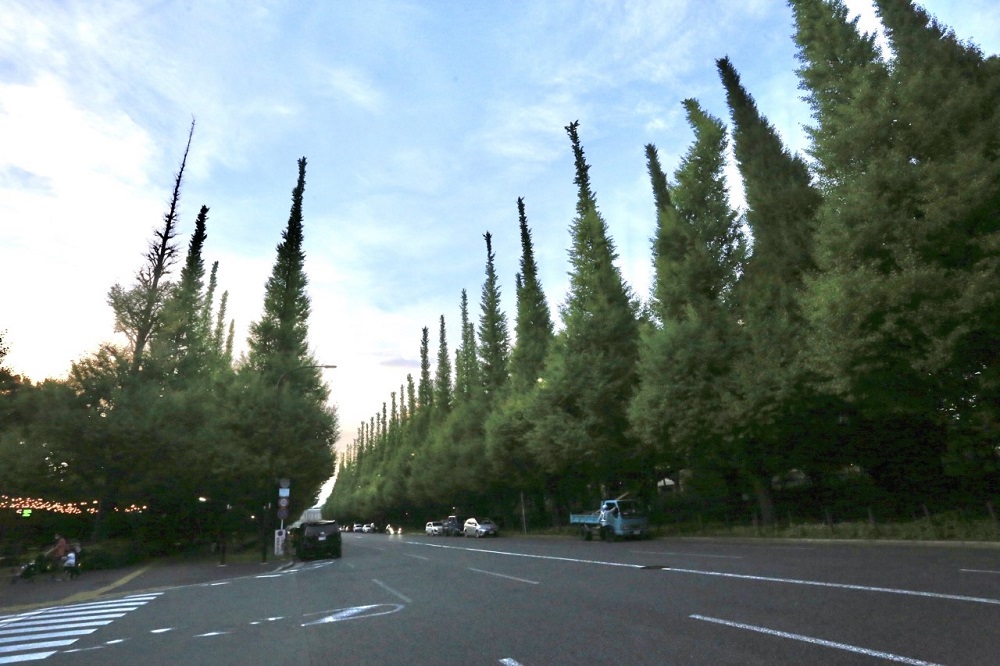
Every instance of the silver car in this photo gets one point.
(480, 528)
(434, 528)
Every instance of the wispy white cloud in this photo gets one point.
(351, 85)
(529, 132)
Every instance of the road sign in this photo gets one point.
(282, 502)
(282, 513)
(284, 492)
(284, 482)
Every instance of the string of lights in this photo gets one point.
(19, 504)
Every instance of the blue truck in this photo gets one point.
(616, 519)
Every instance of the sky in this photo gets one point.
(422, 123)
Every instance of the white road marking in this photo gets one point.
(210, 634)
(29, 627)
(530, 556)
(500, 575)
(660, 552)
(355, 612)
(841, 586)
(35, 646)
(28, 634)
(817, 641)
(507, 661)
(699, 572)
(103, 618)
(418, 557)
(34, 656)
(987, 571)
(267, 619)
(51, 634)
(161, 631)
(392, 591)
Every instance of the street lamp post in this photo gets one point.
(221, 520)
(277, 384)
(277, 393)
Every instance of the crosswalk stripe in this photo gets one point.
(77, 618)
(31, 656)
(26, 629)
(36, 646)
(51, 634)
(31, 636)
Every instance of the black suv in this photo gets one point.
(317, 540)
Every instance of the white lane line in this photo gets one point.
(392, 591)
(500, 575)
(507, 661)
(527, 555)
(817, 641)
(841, 586)
(418, 557)
(979, 571)
(660, 552)
(767, 579)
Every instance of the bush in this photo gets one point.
(111, 555)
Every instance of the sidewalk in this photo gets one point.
(45, 590)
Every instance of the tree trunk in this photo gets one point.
(765, 502)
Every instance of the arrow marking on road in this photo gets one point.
(356, 612)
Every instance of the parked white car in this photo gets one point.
(434, 528)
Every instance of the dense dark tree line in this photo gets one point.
(171, 423)
(844, 323)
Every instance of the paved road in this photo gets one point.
(424, 600)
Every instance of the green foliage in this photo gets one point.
(494, 341)
(685, 363)
(442, 376)
(831, 351)
(578, 413)
(533, 326)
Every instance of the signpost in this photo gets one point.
(283, 497)
(279, 543)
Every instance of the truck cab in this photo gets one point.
(616, 518)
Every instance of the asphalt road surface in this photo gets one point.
(436, 600)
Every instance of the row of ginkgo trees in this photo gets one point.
(173, 438)
(847, 319)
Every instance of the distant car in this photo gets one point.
(369, 528)
(452, 526)
(480, 528)
(357, 527)
(318, 540)
(434, 528)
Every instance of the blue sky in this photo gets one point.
(422, 123)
